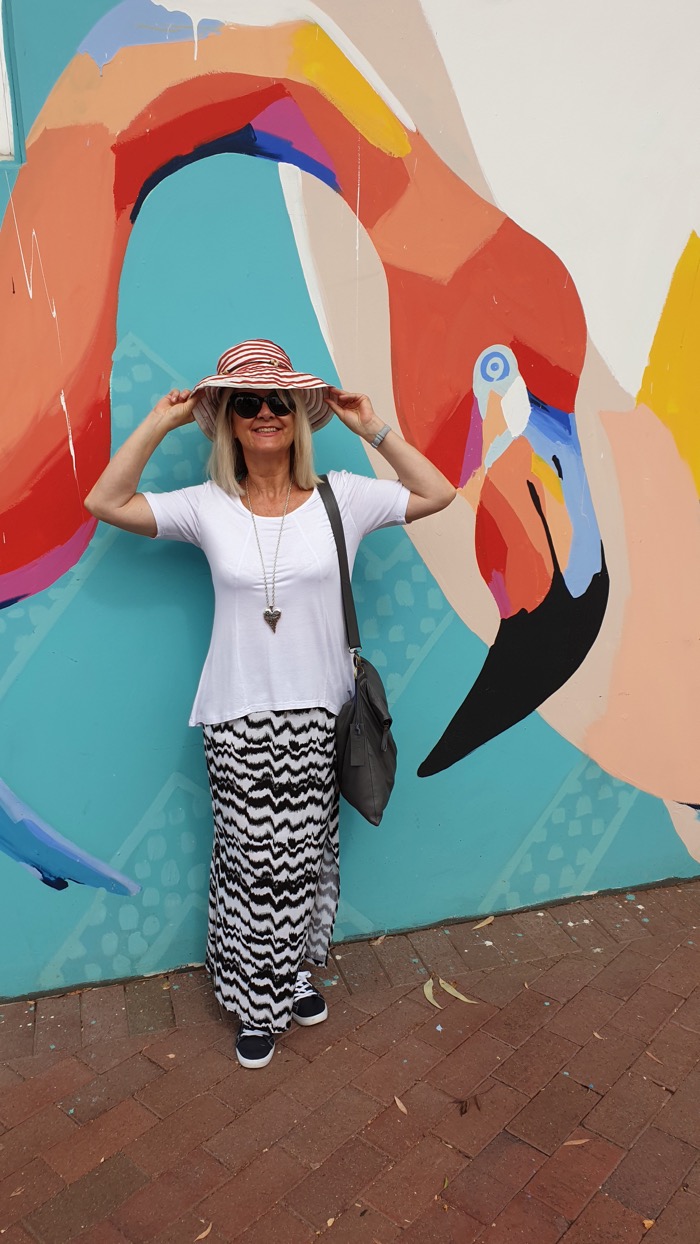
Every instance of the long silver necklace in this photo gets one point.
(270, 614)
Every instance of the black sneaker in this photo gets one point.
(254, 1047)
(308, 1006)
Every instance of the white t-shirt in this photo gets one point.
(305, 663)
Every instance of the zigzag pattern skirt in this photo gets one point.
(274, 881)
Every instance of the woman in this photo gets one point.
(278, 668)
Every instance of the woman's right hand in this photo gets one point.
(175, 408)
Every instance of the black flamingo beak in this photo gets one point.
(532, 656)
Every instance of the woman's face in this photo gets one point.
(270, 431)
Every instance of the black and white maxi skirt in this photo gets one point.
(274, 882)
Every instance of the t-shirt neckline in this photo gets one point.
(274, 518)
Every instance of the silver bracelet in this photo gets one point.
(380, 436)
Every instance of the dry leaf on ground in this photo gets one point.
(455, 992)
(428, 991)
(400, 1105)
(647, 1223)
(575, 1142)
(378, 940)
(653, 1057)
(597, 1034)
(482, 923)
(204, 1234)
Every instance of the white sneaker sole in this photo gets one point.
(253, 1063)
(312, 1019)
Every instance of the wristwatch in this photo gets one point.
(380, 436)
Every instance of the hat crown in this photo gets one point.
(258, 364)
(253, 354)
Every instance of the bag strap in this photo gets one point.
(328, 498)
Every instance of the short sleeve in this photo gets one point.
(373, 503)
(177, 513)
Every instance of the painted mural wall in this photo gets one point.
(480, 213)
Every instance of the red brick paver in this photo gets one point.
(574, 1174)
(561, 1103)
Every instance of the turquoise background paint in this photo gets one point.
(97, 674)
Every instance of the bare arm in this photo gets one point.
(430, 490)
(114, 498)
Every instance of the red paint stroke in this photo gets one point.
(75, 191)
(143, 148)
(285, 119)
(508, 550)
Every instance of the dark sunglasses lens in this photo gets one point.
(279, 405)
(247, 405)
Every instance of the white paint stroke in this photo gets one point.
(7, 133)
(70, 439)
(291, 181)
(273, 12)
(515, 405)
(29, 272)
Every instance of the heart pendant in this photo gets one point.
(272, 617)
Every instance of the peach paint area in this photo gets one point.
(648, 732)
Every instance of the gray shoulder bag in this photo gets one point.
(365, 748)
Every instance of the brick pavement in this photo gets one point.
(561, 1102)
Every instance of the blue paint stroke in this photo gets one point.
(273, 147)
(246, 141)
(553, 436)
(26, 838)
(134, 23)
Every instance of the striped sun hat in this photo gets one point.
(258, 364)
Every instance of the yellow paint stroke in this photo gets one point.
(549, 477)
(670, 386)
(317, 58)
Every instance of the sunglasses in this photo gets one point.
(248, 405)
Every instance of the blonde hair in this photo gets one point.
(227, 466)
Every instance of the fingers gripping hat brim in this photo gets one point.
(258, 365)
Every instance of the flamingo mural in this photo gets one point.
(538, 548)
(286, 93)
(491, 364)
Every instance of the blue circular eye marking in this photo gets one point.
(494, 366)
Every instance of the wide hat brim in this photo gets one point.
(261, 376)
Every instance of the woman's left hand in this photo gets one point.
(356, 412)
(430, 490)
